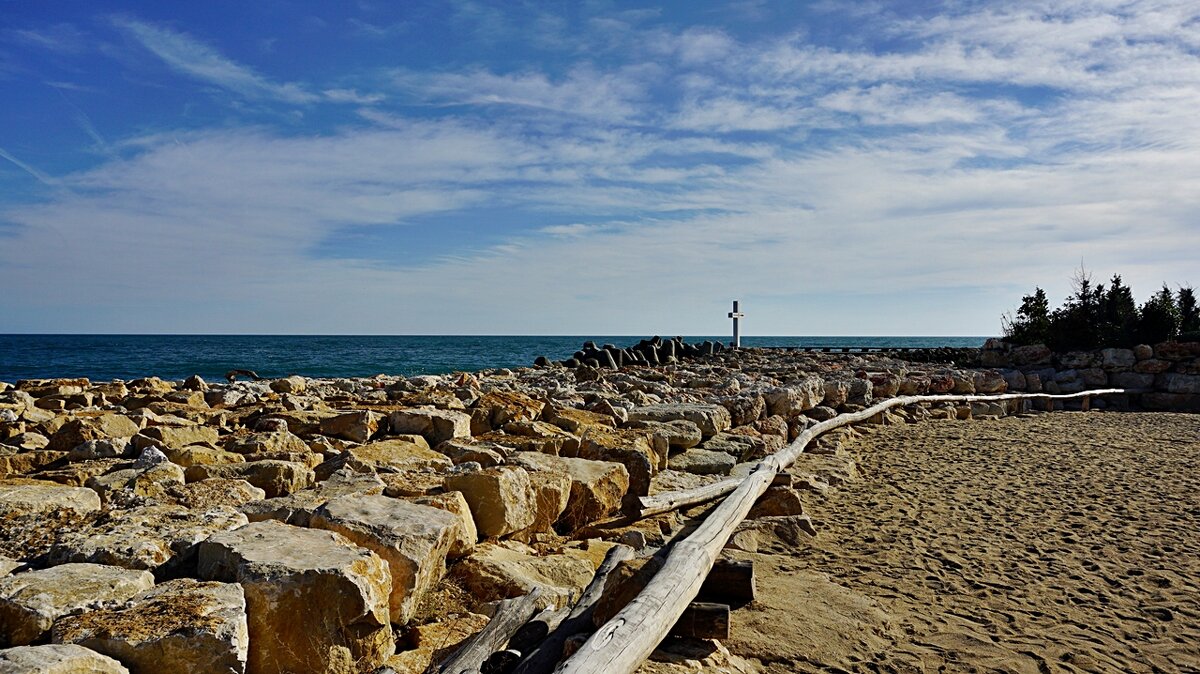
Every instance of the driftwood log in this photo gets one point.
(547, 654)
(630, 636)
(510, 615)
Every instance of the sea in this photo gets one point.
(107, 357)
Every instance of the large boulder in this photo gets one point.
(631, 448)
(465, 534)
(30, 602)
(796, 397)
(434, 425)
(393, 455)
(505, 570)
(79, 431)
(195, 627)
(413, 539)
(57, 659)
(356, 426)
(272, 442)
(149, 537)
(276, 478)
(711, 419)
(1174, 382)
(315, 602)
(136, 483)
(182, 436)
(502, 499)
(297, 508)
(703, 462)
(989, 381)
(19, 500)
(597, 487)
(577, 421)
(495, 409)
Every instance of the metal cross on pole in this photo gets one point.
(735, 315)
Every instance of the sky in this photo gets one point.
(591, 167)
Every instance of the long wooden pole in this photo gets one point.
(627, 639)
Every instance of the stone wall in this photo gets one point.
(1162, 377)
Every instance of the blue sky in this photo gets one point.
(588, 167)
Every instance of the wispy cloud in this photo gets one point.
(62, 38)
(196, 59)
(38, 175)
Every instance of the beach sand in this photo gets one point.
(1064, 542)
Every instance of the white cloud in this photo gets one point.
(192, 57)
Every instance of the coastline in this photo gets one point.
(479, 486)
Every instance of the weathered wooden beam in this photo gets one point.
(535, 631)
(621, 645)
(579, 621)
(510, 615)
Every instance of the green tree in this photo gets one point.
(1119, 315)
(1032, 322)
(1076, 324)
(1158, 319)
(1189, 314)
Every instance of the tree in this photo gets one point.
(1076, 324)
(1032, 323)
(1189, 314)
(1158, 319)
(1119, 315)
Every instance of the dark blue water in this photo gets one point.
(102, 357)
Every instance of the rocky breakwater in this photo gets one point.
(1160, 377)
(354, 525)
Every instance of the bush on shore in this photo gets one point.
(1095, 317)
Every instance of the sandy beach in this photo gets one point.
(1062, 542)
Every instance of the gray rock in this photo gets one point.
(703, 462)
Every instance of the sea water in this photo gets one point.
(104, 357)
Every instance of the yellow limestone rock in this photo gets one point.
(315, 602)
(196, 627)
(502, 499)
(413, 539)
(57, 659)
(30, 602)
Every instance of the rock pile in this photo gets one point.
(350, 525)
(1164, 376)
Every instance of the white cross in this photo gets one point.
(735, 315)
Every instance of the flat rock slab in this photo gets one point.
(57, 659)
(315, 602)
(297, 508)
(396, 454)
(30, 602)
(196, 627)
(703, 462)
(711, 419)
(17, 500)
(413, 539)
(145, 538)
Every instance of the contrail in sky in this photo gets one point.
(42, 177)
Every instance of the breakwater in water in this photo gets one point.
(102, 357)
